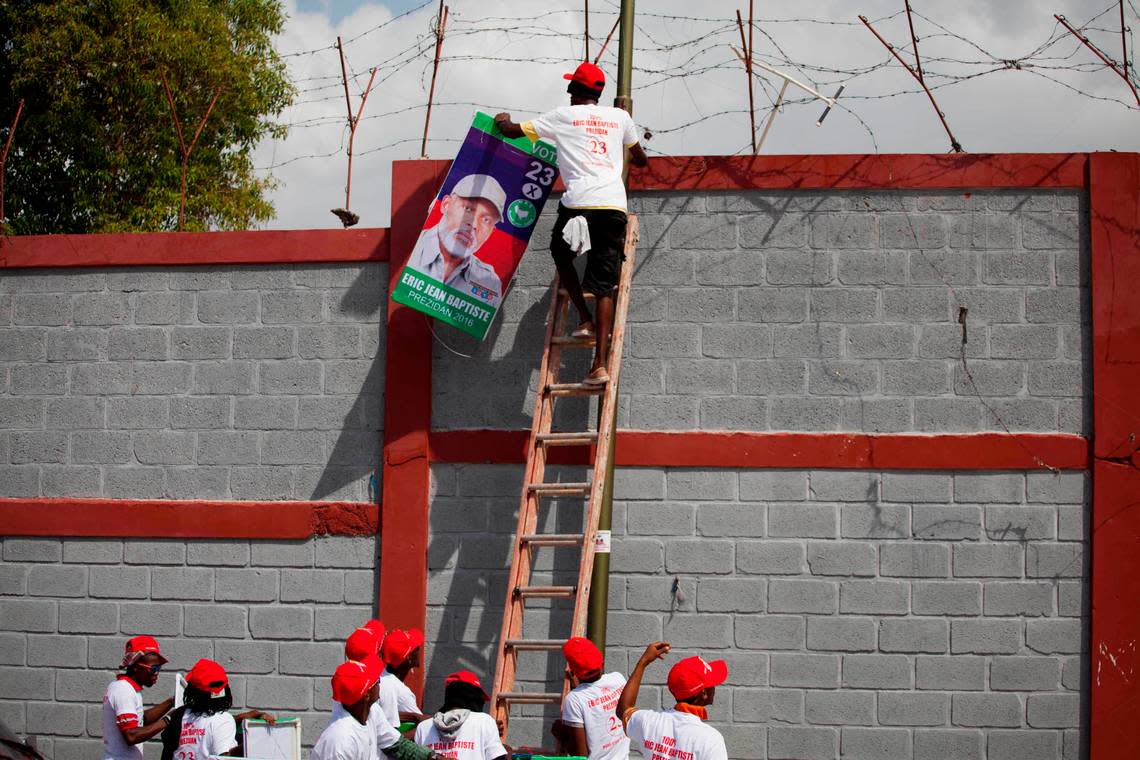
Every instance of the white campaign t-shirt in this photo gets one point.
(476, 739)
(344, 738)
(122, 709)
(591, 140)
(672, 735)
(206, 736)
(389, 700)
(591, 706)
(405, 698)
(386, 733)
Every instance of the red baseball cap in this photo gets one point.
(362, 643)
(582, 656)
(588, 75)
(137, 647)
(210, 677)
(466, 676)
(400, 644)
(352, 679)
(692, 674)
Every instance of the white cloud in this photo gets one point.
(1004, 111)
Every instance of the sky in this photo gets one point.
(1000, 84)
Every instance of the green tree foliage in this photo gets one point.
(96, 149)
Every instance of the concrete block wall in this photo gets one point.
(925, 615)
(218, 382)
(274, 613)
(818, 311)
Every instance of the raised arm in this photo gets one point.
(508, 127)
(637, 155)
(627, 702)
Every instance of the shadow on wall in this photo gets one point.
(356, 453)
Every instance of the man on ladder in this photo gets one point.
(590, 140)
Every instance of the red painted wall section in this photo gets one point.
(1114, 184)
(195, 248)
(129, 518)
(641, 448)
(407, 417)
(900, 172)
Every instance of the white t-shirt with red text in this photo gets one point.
(673, 735)
(591, 706)
(206, 736)
(122, 709)
(476, 739)
(591, 140)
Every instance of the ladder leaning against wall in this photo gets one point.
(535, 489)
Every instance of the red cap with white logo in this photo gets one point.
(210, 677)
(139, 646)
(353, 679)
(693, 674)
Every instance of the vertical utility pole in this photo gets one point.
(4, 157)
(586, 57)
(440, 26)
(186, 149)
(600, 578)
(746, 59)
(347, 218)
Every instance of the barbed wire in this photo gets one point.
(703, 50)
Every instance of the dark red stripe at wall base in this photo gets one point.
(130, 518)
(846, 451)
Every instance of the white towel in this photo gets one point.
(576, 233)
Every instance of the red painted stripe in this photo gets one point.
(637, 448)
(1114, 201)
(894, 172)
(195, 248)
(407, 417)
(152, 518)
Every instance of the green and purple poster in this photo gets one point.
(478, 228)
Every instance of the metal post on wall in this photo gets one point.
(600, 578)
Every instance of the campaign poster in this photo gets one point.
(478, 227)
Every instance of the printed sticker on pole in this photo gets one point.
(602, 542)
(478, 227)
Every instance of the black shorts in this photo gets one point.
(607, 246)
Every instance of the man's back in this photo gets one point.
(591, 140)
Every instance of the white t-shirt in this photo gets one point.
(390, 697)
(591, 706)
(122, 709)
(591, 141)
(344, 738)
(405, 698)
(206, 736)
(476, 739)
(673, 735)
(386, 733)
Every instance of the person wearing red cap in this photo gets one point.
(590, 727)
(461, 730)
(357, 729)
(203, 727)
(364, 641)
(591, 142)
(402, 653)
(682, 731)
(125, 724)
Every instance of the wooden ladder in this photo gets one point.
(534, 489)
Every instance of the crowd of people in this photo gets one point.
(370, 701)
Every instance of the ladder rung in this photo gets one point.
(553, 539)
(585, 293)
(531, 697)
(583, 438)
(546, 592)
(559, 489)
(535, 644)
(573, 342)
(574, 389)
